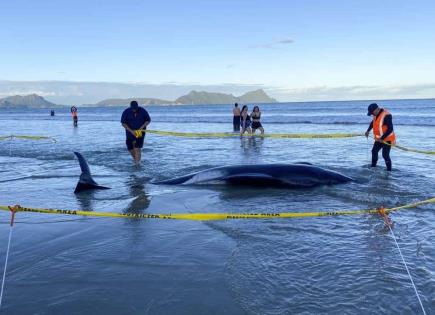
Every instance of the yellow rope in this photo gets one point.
(215, 216)
(394, 145)
(273, 135)
(24, 137)
(277, 135)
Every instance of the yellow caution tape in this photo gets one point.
(215, 216)
(24, 137)
(394, 145)
(412, 150)
(274, 135)
(277, 135)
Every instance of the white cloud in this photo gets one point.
(355, 92)
(63, 92)
(285, 41)
(66, 92)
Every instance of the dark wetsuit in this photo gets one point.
(135, 121)
(377, 146)
(256, 124)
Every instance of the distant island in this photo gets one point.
(193, 98)
(196, 98)
(26, 101)
(126, 101)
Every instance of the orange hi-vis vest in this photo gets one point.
(379, 128)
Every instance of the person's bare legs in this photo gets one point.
(262, 130)
(138, 152)
(133, 154)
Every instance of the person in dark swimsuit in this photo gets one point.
(255, 116)
(245, 121)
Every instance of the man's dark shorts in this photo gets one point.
(134, 142)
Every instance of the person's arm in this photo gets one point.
(388, 120)
(125, 125)
(144, 126)
(129, 129)
(368, 129)
(147, 121)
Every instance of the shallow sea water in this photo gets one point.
(326, 265)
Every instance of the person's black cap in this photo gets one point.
(134, 105)
(372, 107)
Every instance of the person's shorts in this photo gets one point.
(256, 125)
(245, 125)
(134, 142)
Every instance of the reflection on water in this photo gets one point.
(251, 145)
(137, 190)
(85, 199)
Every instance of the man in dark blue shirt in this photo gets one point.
(135, 119)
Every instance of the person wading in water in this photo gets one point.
(382, 125)
(135, 119)
(236, 117)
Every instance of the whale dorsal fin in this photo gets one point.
(86, 181)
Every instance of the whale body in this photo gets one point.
(298, 175)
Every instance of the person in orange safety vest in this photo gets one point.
(382, 125)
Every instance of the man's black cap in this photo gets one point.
(134, 105)
(372, 107)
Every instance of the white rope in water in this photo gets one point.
(407, 270)
(6, 266)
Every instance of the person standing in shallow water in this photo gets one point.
(245, 121)
(74, 115)
(382, 125)
(236, 117)
(255, 116)
(135, 119)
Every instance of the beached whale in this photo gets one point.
(86, 181)
(297, 175)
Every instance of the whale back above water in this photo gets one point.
(296, 175)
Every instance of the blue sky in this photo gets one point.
(288, 47)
